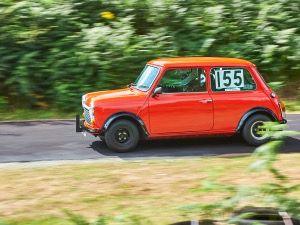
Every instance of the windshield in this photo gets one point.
(146, 78)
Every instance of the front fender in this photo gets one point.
(256, 110)
(130, 116)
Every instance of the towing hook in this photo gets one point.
(78, 127)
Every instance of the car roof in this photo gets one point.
(199, 61)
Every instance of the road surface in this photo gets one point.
(57, 140)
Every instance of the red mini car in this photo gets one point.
(190, 96)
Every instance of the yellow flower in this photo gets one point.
(107, 15)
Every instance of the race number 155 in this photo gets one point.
(229, 78)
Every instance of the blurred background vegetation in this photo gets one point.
(54, 51)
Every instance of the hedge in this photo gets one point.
(54, 51)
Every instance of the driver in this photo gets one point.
(187, 77)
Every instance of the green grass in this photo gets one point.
(27, 114)
(147, 190)
(291, 106)
(38, 221)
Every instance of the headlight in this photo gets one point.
(83, 100)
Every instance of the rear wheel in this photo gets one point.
(252, 130)
(122, 136)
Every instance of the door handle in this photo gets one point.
(206, 100)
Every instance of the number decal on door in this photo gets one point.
(229, 78)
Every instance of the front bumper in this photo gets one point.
(80, 127)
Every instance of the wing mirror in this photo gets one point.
(157, 90)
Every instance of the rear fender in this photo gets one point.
(251, 112)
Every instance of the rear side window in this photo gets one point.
(231, 79)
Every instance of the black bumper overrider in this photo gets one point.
(80, 127)
(283, 121)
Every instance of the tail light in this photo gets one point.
(282, 109)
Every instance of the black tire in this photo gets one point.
(122, 136)
(268, 216)
(251, 128)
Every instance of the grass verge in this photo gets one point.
(28, 114)
(291, 106)
(152, 190)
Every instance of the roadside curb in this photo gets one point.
(37, 121)
(49, 163)
(293, 113)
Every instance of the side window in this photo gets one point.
(183, 80)
(231, 79)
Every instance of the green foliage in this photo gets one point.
(277, 194)
(4, 223)
(292, 105)
(52, 52)
(78, 219)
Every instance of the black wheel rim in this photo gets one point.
(256, 130)
(122, 135)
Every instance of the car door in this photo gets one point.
(184, 106)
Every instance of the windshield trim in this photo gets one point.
(146, 88)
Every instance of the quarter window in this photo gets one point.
(183, 80)
(231, 79)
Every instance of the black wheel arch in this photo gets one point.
(128, 116)
(254, 111)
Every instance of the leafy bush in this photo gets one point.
(52, 52)
(78, 219)
(277, 194)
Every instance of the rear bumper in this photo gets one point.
(283, 121)
(80, 127)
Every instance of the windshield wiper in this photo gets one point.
(143, 86)
(131, 85)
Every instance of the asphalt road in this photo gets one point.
(57, 140)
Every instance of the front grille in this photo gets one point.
(87, 115)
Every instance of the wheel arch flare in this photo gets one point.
(131, 117)
(253, 111)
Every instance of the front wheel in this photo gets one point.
(122, 136)
(252, 131)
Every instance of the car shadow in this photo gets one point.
(191, 147)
